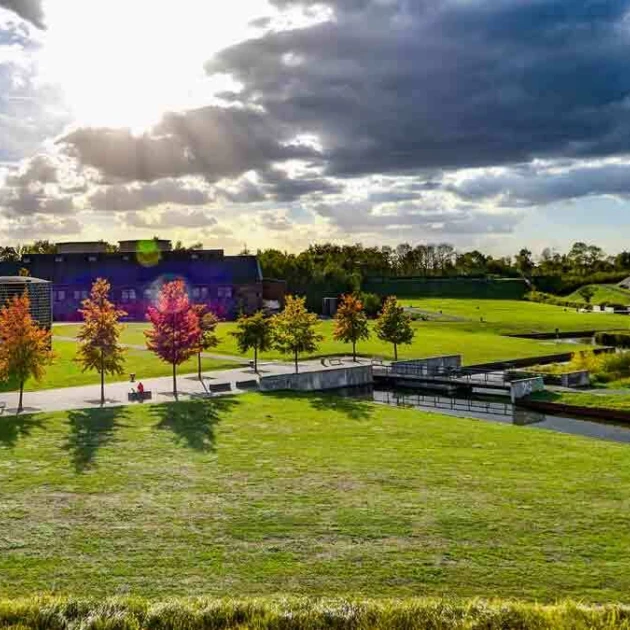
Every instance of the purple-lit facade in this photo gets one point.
(228, 285)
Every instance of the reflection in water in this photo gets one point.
(492, 409)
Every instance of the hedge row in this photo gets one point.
(305, 614)
(547, 298)
(616, 339)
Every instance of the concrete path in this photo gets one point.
(189, 387)
(228, 358)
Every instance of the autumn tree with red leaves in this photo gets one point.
(175, 335)
(25, 348)
(99, 347)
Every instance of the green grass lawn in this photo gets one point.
(601, 400)
(477, 346)
(64, 372)
(512, 316)
(263, 495)
(604, 293)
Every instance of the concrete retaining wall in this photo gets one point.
(575, 379)
(354, 376)
(526, 386)
(427, 367)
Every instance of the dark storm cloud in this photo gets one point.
(214, 142)
(392, 87)
(30, 10)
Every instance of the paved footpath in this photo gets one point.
(189, 387)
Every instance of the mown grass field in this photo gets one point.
(65, 372)
(266, 495)
(597, 399)
(477, 346)
(514, 317)
(604, 293)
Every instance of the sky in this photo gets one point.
(489, 124)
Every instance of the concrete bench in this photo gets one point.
(137, 397)
(335, 361)
(220, 388)
(246, 385)
(377, 360)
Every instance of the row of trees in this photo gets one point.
(179, 330)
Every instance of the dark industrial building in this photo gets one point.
(39, 292)
(229, 285)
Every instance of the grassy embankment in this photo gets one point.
(261, 495)
(604, 293)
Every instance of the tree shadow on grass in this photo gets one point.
(193, 422)
(13, 428)
(90, 430)
(354, 407)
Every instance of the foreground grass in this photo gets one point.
(304, 614)
(514, 317)
(477, 346)
(261, 495)
(64, 372)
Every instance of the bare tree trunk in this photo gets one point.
(395, 352)
(102, 380)
(19, 409)
(354, 351)
(199, 365)
(256, 359)
(175, 381)
(296, 362)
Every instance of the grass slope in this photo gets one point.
(476, 345)
(598, 400)
(64, 372)
(604, 293)
(260, 495)
(511, 316)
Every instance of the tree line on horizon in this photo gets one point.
(179, 330)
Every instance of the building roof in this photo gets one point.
(22, 280)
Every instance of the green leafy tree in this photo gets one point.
(586, 293)
(99, 348)
(351, 324)
(394, 325)
(208, 339)
(254, 333)
(294, 329)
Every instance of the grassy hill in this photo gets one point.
(604, 293)
(262, 495)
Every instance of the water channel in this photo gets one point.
(492, 409)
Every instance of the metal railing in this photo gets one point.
(471, 376)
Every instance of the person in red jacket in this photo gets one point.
(140, 392)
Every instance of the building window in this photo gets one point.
(132, 294)
(224, 292)
(84, 295)
(61, 296)
(59, 259)
(204, 292)
(26, 260)
(194, 256)
(91, 258)
(77, 295)
(196, 293)
(128, 295)
(148, 294)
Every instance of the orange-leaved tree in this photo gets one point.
(99, 347)
(351, 324)
(24, 347)
(208, 339)
(175, 332)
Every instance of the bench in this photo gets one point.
(136, 397)
(220, 388)
(251, 384)
(335, 361)
(3, 406)
(377, 360)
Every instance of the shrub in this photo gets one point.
(371, 303)
(547, 298)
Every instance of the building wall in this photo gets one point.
(40, 294)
